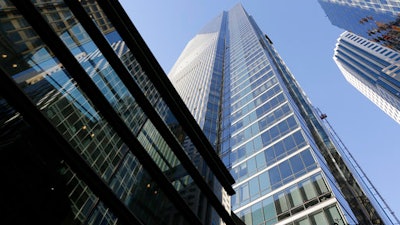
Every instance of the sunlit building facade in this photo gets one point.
(378, 21)
(372, 69)
(368, 53)
(91, 129)
(287, 165)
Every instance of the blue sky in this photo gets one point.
(305, 39)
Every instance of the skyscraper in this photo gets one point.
(92, 131)
(378, 21)
(372, 69)
(366, 54)
(288, 166)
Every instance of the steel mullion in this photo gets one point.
(144, 103)
(132, 38)
(85, 83)
(17, 98)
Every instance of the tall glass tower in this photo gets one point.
(288, 167)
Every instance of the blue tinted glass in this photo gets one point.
(274, 175)
(285, 169)
(274, 131)
(297, 163)
(251, 163)
(257, 214)
(254, 188)
(264, 182)
(279, 149)
(289, 143)
(307, 158)
(269, 155)
(298, 137)
(266, 139)
(260, 159)
(244, 192)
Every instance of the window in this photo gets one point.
(244, 193)
(265, 184)
(247, 216)
(295, 197)
(285, 169)
(308, 190)
(260, 159)
(297, 164)
(320, 185)
(318, 218)
(254, 188)
(281, 203)
(274, 175)
(303, 221)
(269, 208)
(307, 158)
(257, 215)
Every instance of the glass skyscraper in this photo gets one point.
(288, 166)
(368, 52)
(371, 68)
(92, 131)
(377, 21)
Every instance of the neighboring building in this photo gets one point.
(373, 69)
(378, 21)
(287, 165)
(91, 129)
(368, 53)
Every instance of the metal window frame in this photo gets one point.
(121, 71)
(17, 98)
(133, 40)
(75, 70)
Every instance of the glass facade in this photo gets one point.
(86, 135)
(269, 136)
(372, 69)
(377, 21)
(367, 53)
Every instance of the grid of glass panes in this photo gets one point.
(117, 94)
(266, 157)
(290, 201)
(162, 108)
(276, 176)
(71, 112)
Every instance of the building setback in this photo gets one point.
(91, 129)
(288, 165)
